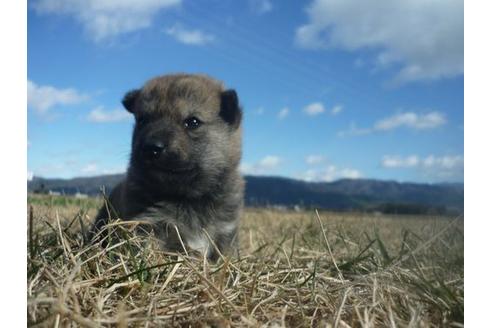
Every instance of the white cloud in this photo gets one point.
(443, 162)
(353, 130)
(99, 115)
(390, 161)
(246, 168)
(314, 109)
(425, 38)
(61, 166)
(359, 63)
(350, 174)
(189, 37)
(30, 175)
(283, 113)
(330, 173)
(311, 175)
(95, 169)
(315, 159)
(261, 6)
(265, 166)
(114, 170)
(269, 162)
(430, 162)
(260, 111)
(90, 168)
(337, 109)
(52, 169)
(104, 19)
(43, 97)
(409, 120)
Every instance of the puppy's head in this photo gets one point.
(187, 134)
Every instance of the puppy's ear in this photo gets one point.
(130, 99)
(229, 108)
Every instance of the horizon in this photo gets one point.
(268, 176)
(329, 90)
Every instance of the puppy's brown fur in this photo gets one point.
(183, 172)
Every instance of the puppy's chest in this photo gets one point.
(197, 225)
(192, 216)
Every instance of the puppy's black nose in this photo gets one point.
(153, 150)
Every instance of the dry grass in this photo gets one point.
(294, 270)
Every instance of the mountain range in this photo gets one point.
(340, 195)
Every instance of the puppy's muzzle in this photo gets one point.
(153, 150)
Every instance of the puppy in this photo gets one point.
(183, 177)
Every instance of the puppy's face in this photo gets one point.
(187, 134)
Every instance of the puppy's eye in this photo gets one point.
(192, 123)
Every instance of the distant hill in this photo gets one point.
(356, 194)
(345, 194)
(85, 185)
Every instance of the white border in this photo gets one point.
(478, 164)
(13, 77)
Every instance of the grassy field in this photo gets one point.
(295, 269)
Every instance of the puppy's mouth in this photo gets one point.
(159, 163)
(175, 170)
(166, 169)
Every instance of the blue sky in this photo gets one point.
(330, 89)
